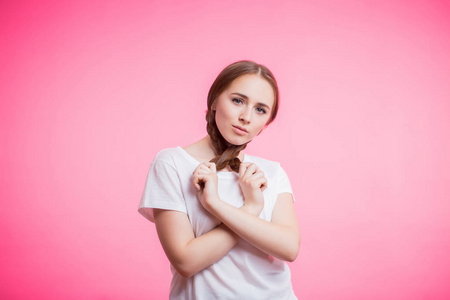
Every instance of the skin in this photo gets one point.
(247, 104)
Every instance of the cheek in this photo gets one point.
(261, 123)
(219, 117)
(225, 112)
(221, 120)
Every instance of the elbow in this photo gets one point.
(185, 274)
(290, 255)
(292, 252)
(185, 264)
(185, 270)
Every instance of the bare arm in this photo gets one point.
(188, 254)
(279, 238)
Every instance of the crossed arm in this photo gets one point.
(189, 254)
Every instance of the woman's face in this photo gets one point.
(244, 108)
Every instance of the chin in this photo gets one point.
(237, 141)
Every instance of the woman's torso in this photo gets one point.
(245, 272)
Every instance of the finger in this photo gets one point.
(250, 171)
(264, 185)
(254, 168)
(200, 178)
(261, 183)
(247, 172)
(199, 167)
(242, 169)
(195, 181)
(204, 167)
(208, 164)
(258, 174)
(210, 167)
(203, 171)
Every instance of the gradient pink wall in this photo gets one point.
(91, 91)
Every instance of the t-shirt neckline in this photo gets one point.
(197, 162)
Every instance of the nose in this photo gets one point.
(245, 115)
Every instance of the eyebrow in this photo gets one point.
(246, 98)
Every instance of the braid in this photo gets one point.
(226, 152)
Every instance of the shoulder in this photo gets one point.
(175, 158)
(165, 159)
(167, 155)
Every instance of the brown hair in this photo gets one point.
(227, 153)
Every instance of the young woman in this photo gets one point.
(226, 219)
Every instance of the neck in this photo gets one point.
(207, 147)
(207, 142)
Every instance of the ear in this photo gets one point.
(213, 106)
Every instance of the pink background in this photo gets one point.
(91, 91)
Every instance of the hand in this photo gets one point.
(206, 182)
(252, 182)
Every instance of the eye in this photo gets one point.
(261, 110)
(238, 100)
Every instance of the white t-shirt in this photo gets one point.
(243, 273)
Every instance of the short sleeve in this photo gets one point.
(283, 183)
(162, 190)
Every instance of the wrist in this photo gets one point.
(211, 203)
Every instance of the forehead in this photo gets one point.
(255, 87)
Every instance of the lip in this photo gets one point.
(240, 130)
